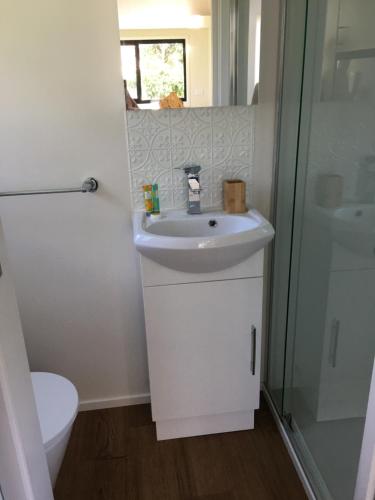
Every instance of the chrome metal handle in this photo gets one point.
(335, 330)
(253, 348)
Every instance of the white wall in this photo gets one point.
(72, 256)
(140, 14)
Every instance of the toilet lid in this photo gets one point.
(56, 402)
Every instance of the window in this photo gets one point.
(154, 68)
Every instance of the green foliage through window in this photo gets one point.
(154, 68)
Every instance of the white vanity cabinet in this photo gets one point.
(204, 347)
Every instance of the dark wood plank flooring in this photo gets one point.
(113, 455)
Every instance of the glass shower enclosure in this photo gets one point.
(322, 333)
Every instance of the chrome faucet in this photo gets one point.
(194, 188)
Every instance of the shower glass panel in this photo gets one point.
(329, 339)
(294, 15)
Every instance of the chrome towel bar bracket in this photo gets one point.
(89, 185)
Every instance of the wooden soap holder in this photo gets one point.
(234, 196)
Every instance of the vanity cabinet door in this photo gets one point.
(349, 345)
(204, 347)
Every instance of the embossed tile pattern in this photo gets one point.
(220, 140)
(342, 134)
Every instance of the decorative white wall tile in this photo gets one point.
(220, 140)
(342, 135)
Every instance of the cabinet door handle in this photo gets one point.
(253, 348)
(335, 330)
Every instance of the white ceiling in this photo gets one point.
(148, 14)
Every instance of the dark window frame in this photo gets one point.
(136, 44)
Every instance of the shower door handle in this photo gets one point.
(335, 330)
(253, 349)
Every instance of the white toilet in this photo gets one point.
(57, 405)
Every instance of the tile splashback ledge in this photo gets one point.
(219, 139)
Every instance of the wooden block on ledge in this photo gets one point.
(235, 196)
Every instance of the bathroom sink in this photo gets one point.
(354, 228)
(202, 243)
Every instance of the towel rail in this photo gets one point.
(89, 185)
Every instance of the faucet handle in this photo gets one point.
(194, 185)
(190, 169)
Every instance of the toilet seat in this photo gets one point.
(57, 405)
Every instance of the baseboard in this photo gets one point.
(204, 425)
(297, 464)
(99, 404)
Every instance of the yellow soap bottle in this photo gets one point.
(147, 191)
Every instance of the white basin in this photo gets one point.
(202, 243)
(354, 228)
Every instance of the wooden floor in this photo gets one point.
(113, 455)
